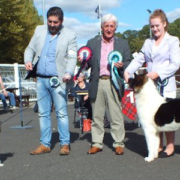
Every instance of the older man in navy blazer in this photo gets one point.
(102, 92)
(55, 49)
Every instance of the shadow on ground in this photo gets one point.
(4, 157)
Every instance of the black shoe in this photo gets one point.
(163, 154)
(160, 152)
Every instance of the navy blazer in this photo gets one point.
(120, 45)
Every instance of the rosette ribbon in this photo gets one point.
(85, 53)
(161, 85)
(114, 57)
(54, 82)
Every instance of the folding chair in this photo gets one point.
(82, 113)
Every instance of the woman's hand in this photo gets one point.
(126, 76)
(153, 75)
(5, 93)
(86, 97)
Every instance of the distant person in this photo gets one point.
(83, 101)
(162, 55)
(102, 91)
(4, 94)
(55, 49)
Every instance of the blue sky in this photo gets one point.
(132, 14)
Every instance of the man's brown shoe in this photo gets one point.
(40, 150)
(64, 150)
(94, 150)
(119, 150)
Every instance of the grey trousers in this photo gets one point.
(107, 97)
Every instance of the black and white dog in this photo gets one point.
(156, 113)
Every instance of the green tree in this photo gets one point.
(119, 35)
(136, 44)
(130, 34)
(174, 28)
(144, 33)
(18, 19)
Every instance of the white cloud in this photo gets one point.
(90, 27)
(79, 6)
(83, 30)
(173, 15)
(121, 24)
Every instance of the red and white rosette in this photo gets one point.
(85, 53)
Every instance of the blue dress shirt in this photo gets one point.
(47, 62)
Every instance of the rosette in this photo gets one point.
(161, 84)
(114, 57)
(54, 82)
(85, 53)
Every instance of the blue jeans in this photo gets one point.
(46, 95)
(12, 99)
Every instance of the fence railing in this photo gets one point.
(13, 75)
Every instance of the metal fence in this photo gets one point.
(13, 76)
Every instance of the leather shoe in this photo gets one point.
(163, 154)
(119, 150)
(160, 152)
(94, 150)
(40, 150)
(64, 150)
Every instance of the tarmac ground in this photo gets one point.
(17, 142)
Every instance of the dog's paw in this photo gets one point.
(155, 156)
(148, 159)
(1, 165)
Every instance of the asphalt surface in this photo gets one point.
(15, 145)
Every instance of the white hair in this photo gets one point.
(109, 17)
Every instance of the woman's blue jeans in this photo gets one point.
(12, 99)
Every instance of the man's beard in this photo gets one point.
(54, 29)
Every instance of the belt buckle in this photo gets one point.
(54, 82)
(104, 77)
